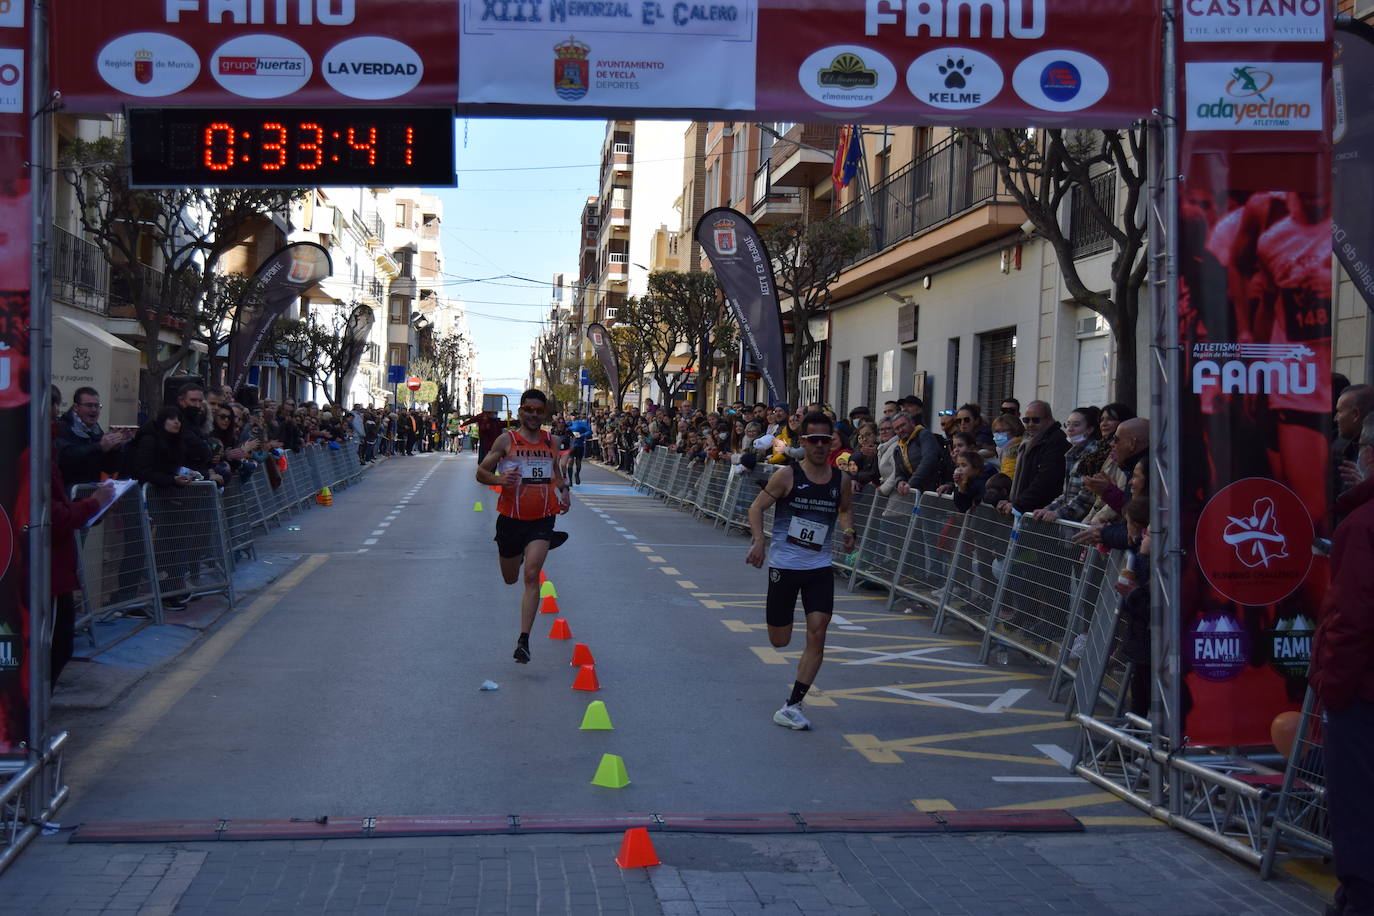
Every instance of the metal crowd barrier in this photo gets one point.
(1300, 816)
(156, 543)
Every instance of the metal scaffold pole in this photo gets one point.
(1165, 363)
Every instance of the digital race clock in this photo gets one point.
(294, 147)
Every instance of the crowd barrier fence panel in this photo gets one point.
(676, 481)
(751, 483)
(862, 506)
(261, 503)
(928, 555)
(659, 467)
(697, 501)
(1300, 815)
(238, 520)
(977, 572)
(1041, 587)
(315, 466)
(1096, 599)
(116, 563)
(640, 472)
(689, 483)
(886, 524)
(189, 542)
(717, 476)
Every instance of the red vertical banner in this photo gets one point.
(16, 220)
(1255, 300)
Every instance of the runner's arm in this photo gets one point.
(846, 510)
(486, 471)
(774, 490)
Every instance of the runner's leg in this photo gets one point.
(510, 569)
(535, 552)
(814, 652)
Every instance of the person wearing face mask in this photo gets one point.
(1085, 458)
(1342, 674)
(1006, 438)
(195, 430)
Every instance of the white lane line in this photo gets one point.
(1057, 754)
(629, 537)
(845, 624)
(379, 532)
(384, 524)
(370, 541)
(620, 528)
(362, 550)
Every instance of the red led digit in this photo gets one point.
(410, 146)
(211, 162)
(277, 146)
(316, 146)
(370, 146)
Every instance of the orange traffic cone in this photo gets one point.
(543, 577)
(586, 679)
(637, 850)
(495, 488)
(582, 656)
(548, 605)
(560, 630)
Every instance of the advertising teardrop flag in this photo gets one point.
(605, 351)
(1353, 133)
(745, 272)
(277, 283)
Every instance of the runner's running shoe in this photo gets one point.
(792, 717)
(522, 654)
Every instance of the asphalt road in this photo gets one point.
(351, 686)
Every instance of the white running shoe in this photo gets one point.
(792, 717)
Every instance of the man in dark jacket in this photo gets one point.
(917, 455)
(195, 441)
(1131, 447)
(1342, 675)
(83, 450)
(1040, 464)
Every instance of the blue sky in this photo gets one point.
(515, 212)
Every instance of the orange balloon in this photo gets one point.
(1283, 731)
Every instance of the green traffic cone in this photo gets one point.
(596, 718)
(477, 506)
(611, 773)
(547, 590)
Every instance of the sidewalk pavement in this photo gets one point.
(1099, 873)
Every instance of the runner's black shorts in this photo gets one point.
(513, 534)
(816, 587)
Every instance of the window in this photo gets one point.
(871, 380)
(401, 215)
(397, 355)
(712, 197)
(1086, 233)
(842, 390)
(952, 375)
(396, 311)
(809, 378)
(996, 366)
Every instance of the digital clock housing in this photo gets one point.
(291, 147)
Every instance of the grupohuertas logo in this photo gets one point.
(1277, 95)
(1253, 368)
(261, 66)
(1290, 645)
(1218, 648)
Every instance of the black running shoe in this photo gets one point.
(557, 539)
(522, 654)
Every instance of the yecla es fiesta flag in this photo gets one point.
(605, 351)
(744, 270)
(1353, 133)
(276, 284)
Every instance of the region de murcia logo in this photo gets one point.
(143, 66)
(1256, 536)
(570, 70)
(723, 234)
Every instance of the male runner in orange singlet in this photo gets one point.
(524, 462)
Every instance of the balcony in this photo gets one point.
(1087, 235)
(801, 167)
(617, 267)
(948, 201)
(80, 274)
(372, 227)
(774, 203)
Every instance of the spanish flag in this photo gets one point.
(848, 150)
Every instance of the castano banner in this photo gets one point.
(1255, 318)
(275, 285)
(16, 248)
(745, 272)
(605, 351)
(967, 62)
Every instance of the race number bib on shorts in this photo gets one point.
(806, 533)
(536, 470)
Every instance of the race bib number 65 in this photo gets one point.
(536, 470)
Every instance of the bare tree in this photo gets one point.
(694, 304)
(441, 358)
(1044, 171)
(653, 322)
(189, 228)
(326, 353)
(807, 259)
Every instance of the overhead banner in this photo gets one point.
(1353, 132)
(276, 284)
(745, 272)
(983, 63)
(16, 249)
(605, 351)
(1255, 330)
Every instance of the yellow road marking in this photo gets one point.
(873, 748)
(980, 755)
(642, 549)
(739, 626)
(816, 697)
(1310, 872)
(769, 656)
(713, 605)
(1005, 677)
(877, 750)
(1107, 820)
(129, 730)
(933, 804)
(669, 571)
(685, 584)
(1090, 800)
(654, 559)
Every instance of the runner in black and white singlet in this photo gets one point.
(812, 498)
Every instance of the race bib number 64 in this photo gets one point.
(805, 533)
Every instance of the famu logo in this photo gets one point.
(1251, 96)
(1290, 645)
